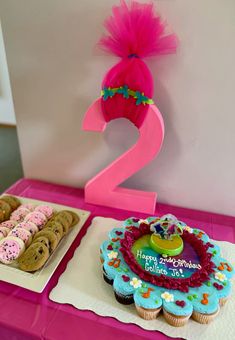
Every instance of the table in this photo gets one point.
(25, 315)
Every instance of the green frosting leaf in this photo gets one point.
(139, 97)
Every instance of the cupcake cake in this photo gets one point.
(176, 308)
(148, 303)
(164, 266)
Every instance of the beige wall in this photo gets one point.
(56, 73)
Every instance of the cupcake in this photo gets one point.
(176, 308)
(124, 286)
(111, 265)
(205, 304)
(107, 278)
(106, 246)
(204, 318)
(221, 285)
(148, 302)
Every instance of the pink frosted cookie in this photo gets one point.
(23, 234)
(19, 214)
(8, 224)
(4, 231)
(31, 207)
(37, 218)
(31, 227)
(10, 249)
(46, 210)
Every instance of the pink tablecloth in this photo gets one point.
(27, 315)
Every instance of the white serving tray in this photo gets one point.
(38, 280)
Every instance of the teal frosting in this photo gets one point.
(224, 287)
(116, 233)
(192, 299)
(213, 300)
(122, 287)
(215, 251)
(104, 246)
(205, 238)
(130, 222)
(173, 308)
(218, 261)
(154, 301)
(112, 271)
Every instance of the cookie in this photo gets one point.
(4, 231)
(34, 257)
(19, 214)
(46, 210)
(50, 235)
(43, 240)
(2, 217)
(31, 207)
(30, 226)
(64, 218)
(75, 217)
(10, 249)
(57, 229)
(8, 224)
(23, 234)
(5, 210)
(12, 201)
(64, 226)
(37, 218)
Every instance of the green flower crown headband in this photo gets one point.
(109, 92)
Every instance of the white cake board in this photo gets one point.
(82, 286)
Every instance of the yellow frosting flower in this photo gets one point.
(136, 283)
(167, 297)
(113, 255)
(188, 229)
(220, 276)
(143, 221)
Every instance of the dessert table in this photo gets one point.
(28, 315)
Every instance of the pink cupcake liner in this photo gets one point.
(147, 314)
(204, 318)
(176, 320)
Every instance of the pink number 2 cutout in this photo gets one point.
(103, 189)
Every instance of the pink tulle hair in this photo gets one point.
(134, 33)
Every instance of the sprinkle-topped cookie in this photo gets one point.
(8, 224)
(46, 210)
(30, 226)
(10, 249)
(23, 234)
(19, 214)
(37, 218)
